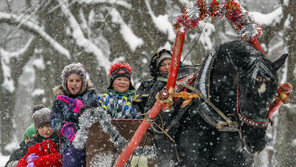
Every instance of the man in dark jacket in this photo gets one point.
(144, 99)
(159, 65)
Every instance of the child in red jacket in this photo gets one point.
(42, 149)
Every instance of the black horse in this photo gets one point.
(240, 82)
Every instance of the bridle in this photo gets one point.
(247, 120)
(240, 116)
(228, 125)
(244, 118)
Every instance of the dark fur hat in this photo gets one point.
(156, 61)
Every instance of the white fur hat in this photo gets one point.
(78, 69)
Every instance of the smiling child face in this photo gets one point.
(74, 84)
(45, 131)
(121, 84)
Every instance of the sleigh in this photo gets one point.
(99, 143)
(101, 151)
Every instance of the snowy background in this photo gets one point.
(39, 37)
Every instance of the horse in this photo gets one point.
(239, 81)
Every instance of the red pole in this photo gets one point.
(284, 91)
(133, 144)
(178, 48)
(256, 44)
(135, 141)
(274, 106)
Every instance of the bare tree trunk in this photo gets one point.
(7, 98)
(285, 150)
(6, 107)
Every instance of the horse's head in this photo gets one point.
(254, 79)
(256, 88)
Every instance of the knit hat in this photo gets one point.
(37, 107)
(156, 61)
(120, 70)
(77, 69)
(41, 117)
(30, 131)
(162, 58)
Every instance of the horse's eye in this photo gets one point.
(261, 79)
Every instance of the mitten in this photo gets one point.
(30, 158)
(30, 165)
(75, 104)
(69, 131)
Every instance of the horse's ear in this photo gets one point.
(279, 62)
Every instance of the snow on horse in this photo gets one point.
(241, 83)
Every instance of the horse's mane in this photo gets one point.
(249, 59)
(259, 67)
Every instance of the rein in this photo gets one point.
(229, 122)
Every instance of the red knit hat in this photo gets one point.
(120, 70)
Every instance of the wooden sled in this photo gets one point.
(100, 151)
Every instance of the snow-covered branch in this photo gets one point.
(81, 41)
(122, 3)
(8, 83)
(5, 55)
(269, 19)
(31, 26)
(162, 23)
(84, 23)
(126, 32)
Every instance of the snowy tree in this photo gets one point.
(41, 37)
(286, 138)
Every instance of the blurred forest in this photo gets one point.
(39, 37)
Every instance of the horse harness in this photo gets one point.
(228, 125)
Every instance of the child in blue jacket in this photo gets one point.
(120, 93)
(72, 97)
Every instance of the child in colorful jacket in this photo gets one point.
(74, 96)
(44, 147)
(118, 99)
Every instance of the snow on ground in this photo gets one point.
(3, 159)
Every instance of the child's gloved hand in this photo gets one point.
(30, 165)
(30, 158)
(75, 104)
(68, 131)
